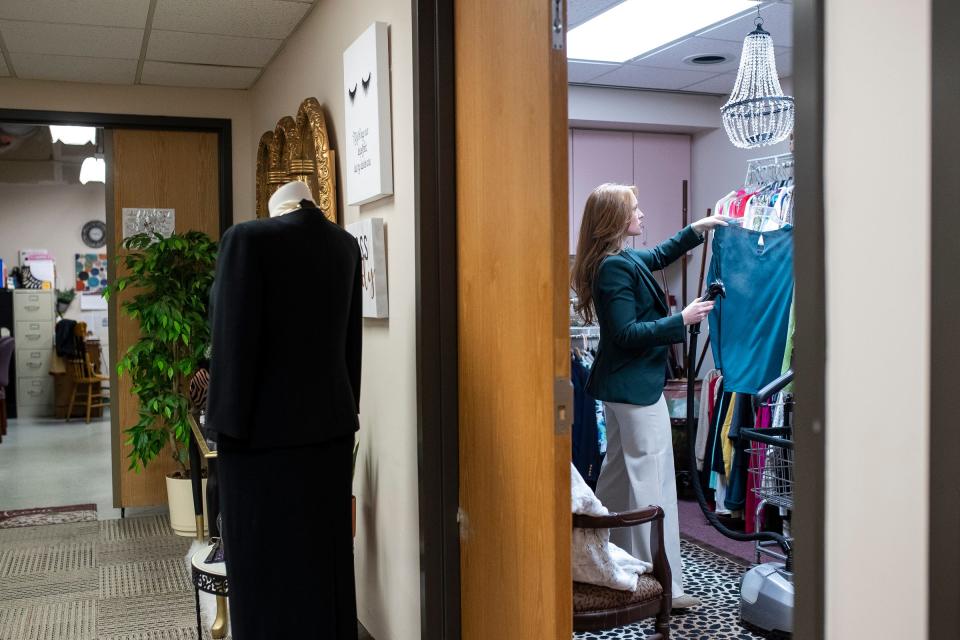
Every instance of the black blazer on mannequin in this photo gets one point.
(286, 307)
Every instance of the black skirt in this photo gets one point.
(288, 541)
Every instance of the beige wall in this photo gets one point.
(877, 225)
(49, 217)
(387, 545)
(146, 100)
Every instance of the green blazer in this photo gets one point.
(635, 323)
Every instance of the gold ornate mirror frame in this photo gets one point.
(298, 149)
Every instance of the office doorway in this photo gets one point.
(150, 162)
(511, 195)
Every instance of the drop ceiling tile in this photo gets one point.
(587, 71)
(721, 84)
(179, 46)
(111, 13)
(579, 11)
(246, 18)
(174, 74)
(777, 19)
(33, 66)
(673, 57)
(3, 67)
(72, 40)
(651, 78)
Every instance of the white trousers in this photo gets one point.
(638, 472)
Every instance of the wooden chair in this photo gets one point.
(598, 608)
(84, 378)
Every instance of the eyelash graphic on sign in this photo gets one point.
(352, 93)
(366, 83)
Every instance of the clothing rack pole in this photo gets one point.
(676, 367)
(683, 259)
(683, 264)
(703, 259)
(703, 354)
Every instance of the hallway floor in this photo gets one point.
(49, 463)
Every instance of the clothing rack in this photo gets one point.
(587, 333)
(769, 169)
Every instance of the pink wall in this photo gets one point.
(657, 163)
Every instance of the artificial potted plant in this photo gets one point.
(170, 280)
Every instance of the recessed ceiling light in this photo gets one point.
(635, 27)
(706, 58)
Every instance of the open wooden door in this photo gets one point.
(176, 170)
(514, 392)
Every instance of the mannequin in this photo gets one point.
(283, 401)
(288, 197)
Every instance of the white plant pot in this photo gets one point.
(180, 499)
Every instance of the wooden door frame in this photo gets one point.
(437, 317)
(220, 126)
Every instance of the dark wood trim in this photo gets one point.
(944, 554)
(221, 126)
(810, 338)
(437, 351)
(617, 520)
(225, 156)
(111, 250)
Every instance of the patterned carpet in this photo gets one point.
(713, 579)
(96, 580)
(47, 515)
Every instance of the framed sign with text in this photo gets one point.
(366, 94)
(373, 266)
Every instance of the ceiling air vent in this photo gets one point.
(706, 58)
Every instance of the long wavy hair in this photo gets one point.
(606, 217)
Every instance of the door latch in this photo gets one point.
(563, 405)
(556, 27)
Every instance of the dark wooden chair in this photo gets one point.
(598, 608)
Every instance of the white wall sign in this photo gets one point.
(138, 220)
(373, 265)
(366, 96)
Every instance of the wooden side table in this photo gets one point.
(210, 578)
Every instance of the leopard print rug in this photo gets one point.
(713, 579)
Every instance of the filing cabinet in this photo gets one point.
(34, 316)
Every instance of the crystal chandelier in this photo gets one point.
(757, 113)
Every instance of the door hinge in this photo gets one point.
(563, 405)
(556, 26)
(463, 522)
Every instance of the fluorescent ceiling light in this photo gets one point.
(93, 170)
(73, 135)
(635, 27)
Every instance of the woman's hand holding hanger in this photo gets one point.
(703, 225)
